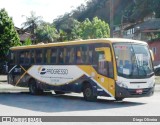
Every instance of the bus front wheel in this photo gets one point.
(33, 89)
(88, 93)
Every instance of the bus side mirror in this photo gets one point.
(107, 52)
(152, 55)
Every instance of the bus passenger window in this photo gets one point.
(13, 58)
(67, 55)
(90, 55)
(27, 57)
(22, 55)
(46, 56)
(71, 56)
(61, 56)
(79, 55)
(32, 57)
(38, 56)
(53, 56)
(102, 64)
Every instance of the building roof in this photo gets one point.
(153, 24)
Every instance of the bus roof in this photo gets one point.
(77, 42)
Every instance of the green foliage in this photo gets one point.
(32, 22)
(91, 29)
(8, 34)
(27, 42)
(46, 33)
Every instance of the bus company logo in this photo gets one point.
(43, 71)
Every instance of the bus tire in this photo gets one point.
(59, 92)
(88, 93)
(33, 89)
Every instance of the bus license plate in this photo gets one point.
(139, 91)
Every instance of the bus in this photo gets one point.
(112, 67)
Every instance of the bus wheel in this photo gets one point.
(59, 92)
(88, 93)
(33, 88)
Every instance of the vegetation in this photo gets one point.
(27, 42)
(8, 34)
(46, 33)
(91, 29)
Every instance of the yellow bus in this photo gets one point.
(112, 67)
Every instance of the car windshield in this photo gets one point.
(133, 60)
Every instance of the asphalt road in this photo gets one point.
(16, 103)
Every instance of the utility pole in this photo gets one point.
(111, 18)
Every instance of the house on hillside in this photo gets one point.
(23, 35)
(145, 31)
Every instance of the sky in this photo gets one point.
(47, 9)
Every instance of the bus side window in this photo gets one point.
(32, 52)
(71, 56)
(44, 56)
(13, 57)
(79, 55)
(61, 56)
(102, 64)
(47, 55)
(22, 55)
(53, 56)
(67, 55)
(27, 57)
(39, 56)
(90, 54)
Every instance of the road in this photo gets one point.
(18, 102)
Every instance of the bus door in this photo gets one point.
(105, 75)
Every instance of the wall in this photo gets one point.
(156, 45)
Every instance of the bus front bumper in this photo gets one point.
(128, 93)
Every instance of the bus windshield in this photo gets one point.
(133, 60)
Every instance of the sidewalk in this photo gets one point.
(3, 78)
(5, 87)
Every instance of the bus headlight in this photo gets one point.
(121, 84)
(151, 84)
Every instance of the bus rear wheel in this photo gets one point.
(88, 93)
(33, 89)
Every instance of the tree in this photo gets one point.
(92, 29)
(46, 33)
(27, 42)
(8, 35)
(32, 23)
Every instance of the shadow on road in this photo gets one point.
(59, 103)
